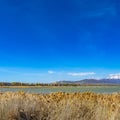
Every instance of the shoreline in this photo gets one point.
(54, 86)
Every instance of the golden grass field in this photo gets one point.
(59, 106)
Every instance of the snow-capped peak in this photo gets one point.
(114, 76)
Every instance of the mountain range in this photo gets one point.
(92, 81)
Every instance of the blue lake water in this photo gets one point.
(96, 89)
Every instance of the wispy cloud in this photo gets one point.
(20, 72)
(6, 70)
(81, 73)
(104, 11)
(99, 12)
(32, 74)
(51, 72)
(114, 76)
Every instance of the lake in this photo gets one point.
(70, 89)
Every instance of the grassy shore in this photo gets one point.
(22, 86)
(59, 106)
(53, 86)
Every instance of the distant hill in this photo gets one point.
(92, 81)
(64, 82)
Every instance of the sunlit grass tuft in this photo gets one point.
(59, 106)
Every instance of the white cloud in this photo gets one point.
(51, 72)
(82, 74)
(114, 76)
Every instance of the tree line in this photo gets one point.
(35, 84)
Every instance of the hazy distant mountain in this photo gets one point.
(92, 81)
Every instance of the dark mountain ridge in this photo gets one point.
(92, 81)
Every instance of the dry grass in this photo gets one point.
(59, 106)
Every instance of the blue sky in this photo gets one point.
(45, 41)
